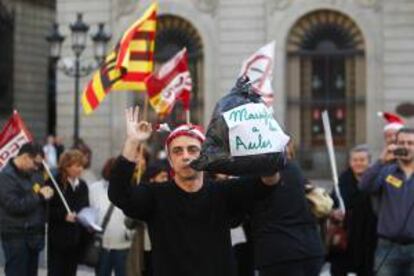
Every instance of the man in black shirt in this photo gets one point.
(189, 217)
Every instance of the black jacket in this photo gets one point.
(65, 235)
(360, 223)
(21, 209)
(190, 232)
(283, 226)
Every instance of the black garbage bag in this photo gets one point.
(216, 155)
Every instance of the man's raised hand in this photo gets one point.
(137, 131)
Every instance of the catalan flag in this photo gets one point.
(128, 65)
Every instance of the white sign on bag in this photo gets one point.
(253, 130)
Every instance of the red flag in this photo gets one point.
(171, 82)
(12, 137)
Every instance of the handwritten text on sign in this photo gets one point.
(253, 130)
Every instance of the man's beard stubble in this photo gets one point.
(406, 161)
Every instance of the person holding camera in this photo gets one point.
(391, 179)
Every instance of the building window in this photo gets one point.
(6, 61)
(326, 54)
(326, 45)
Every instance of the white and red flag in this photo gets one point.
(170, 83)
(259, 69)
(12, 137)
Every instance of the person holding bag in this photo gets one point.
(115, 236)
(189, 216)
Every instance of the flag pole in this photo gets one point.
(187, 116)
(140, 168)
(141, 146)
(146, 103)
(58, 190)
(331, 153)
(47, 236)
(145, 118)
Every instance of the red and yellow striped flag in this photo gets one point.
(128, 65)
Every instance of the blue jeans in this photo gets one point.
(22, 254)
(112, 260)
(399, 261)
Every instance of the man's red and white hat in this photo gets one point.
(194, 131)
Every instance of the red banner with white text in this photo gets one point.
(12, 137)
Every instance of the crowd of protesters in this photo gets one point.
(163, 218)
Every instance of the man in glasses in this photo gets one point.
(188, 217)
(22, 211)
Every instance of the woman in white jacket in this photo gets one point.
(116, 237)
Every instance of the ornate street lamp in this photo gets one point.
(101, 39)
(79, 32)
(55, 40)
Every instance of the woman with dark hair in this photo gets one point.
(66, 235)
(116, 238)
(156, 172)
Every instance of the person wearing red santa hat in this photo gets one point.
(189, 216)
(393, 124)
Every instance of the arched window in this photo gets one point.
(6, 61)
(326, 69)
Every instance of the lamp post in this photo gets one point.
(79, 30)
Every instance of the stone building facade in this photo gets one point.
(24, 62)
(353, 57)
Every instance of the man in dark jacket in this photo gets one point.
(285, 234)
(22, 211)
(189, 217)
